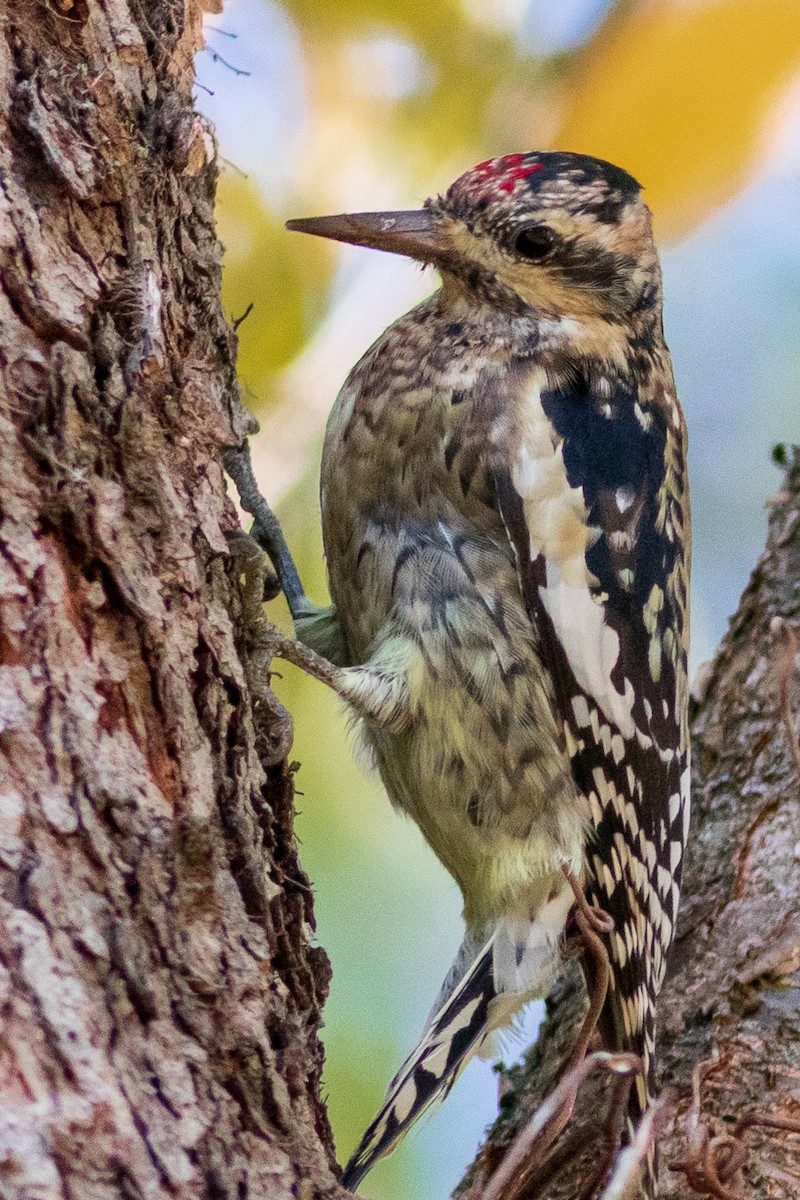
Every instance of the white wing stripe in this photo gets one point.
(556, 517)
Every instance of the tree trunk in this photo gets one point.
(160, 1000)
(734, 984)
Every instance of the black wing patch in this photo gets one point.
(623, 455)
(615, 450)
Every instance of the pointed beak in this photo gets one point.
(409, 233)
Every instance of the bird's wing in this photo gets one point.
(454, 1033)
(592, 490)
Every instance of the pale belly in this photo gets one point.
(482, 768)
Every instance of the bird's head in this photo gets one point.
(560, 233)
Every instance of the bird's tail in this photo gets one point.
(627, 1023)
(453, 1034)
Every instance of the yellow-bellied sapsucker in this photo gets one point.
(506, 524)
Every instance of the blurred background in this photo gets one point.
(334, 105)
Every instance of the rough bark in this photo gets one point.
(734, 983)
(159, 998)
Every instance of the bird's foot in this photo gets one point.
(272, 720)
(266, 532)
(530, 1154)
(378, 696)
(256, 579)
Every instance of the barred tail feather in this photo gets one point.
(648, 1178)
(629, 1025)
(452, 1036)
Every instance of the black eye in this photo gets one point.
(535, 242)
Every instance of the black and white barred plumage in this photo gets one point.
(625, 728)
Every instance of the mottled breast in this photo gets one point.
(419, 558)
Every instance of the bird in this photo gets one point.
(506, 524)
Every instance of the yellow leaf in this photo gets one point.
(263, 267)
(679, 95)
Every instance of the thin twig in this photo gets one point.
(591, 922)
(533, 1140)
(751, 1120)
(628, 1167)
(620, 1095)
(713, 1160)
(227, 162)
(237, 321)
(216, 57)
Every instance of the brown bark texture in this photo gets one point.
(733, 987)
(159, 996)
